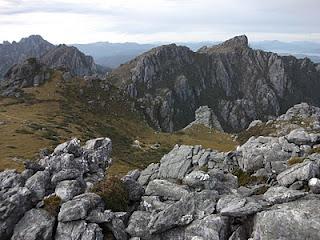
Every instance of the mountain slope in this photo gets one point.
(71, 59)
(49, 114)
(240, 84)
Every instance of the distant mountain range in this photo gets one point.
(114, 54)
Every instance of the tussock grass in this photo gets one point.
(295, 160)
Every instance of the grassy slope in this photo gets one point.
(55, 112)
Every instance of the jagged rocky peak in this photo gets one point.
(236, 43)
(12, 53)
(70, 59)
(34, 40)
(29, 73)
(239, 83)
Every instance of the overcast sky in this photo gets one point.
(82, 21)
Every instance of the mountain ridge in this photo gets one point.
(241, 84)
(53, 56)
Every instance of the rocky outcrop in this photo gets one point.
(30, 73)
(240, 84)
(70, 59)
(184, 200)
(66, 174)
(17, 52)
(206, 117)
(196, 193)
(294, 220)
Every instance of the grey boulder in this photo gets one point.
(134, 189)
(138, 225)
(192, 206)
(196, 179)
(299, 172)
(314, 185)
(290, 221)
(177, 163)
(10, 179)
(79, 207)
(149, 174)
(301, 137)
(237, 206)
(166, 189)
(38, 184)
(212, 227)
(78, 230)
(72, 147)
(277, 195)
(35, 224)
(258, 152)
(68, 189)
(14, 203)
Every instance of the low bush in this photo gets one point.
(295, 160)
(113, 191)
(23, 131)
(245, 178)
(52, 204)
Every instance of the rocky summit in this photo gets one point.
(70, 59)
(268, 188)
(62, 56)
(238, 83)
(16, 52)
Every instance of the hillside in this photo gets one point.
(240, 84)
(58, 110)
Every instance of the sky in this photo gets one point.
(147, 21)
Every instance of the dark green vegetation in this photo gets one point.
(295, 160)
(52, 205)
(246, 178)
(114, 193)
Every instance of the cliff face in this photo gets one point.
(13, 53)
(240, 84)
(71, 59)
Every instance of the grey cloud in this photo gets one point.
(20, 7)
(184, 16)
